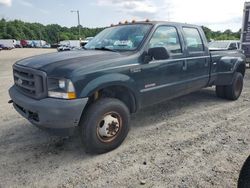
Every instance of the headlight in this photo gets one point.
(61, 88)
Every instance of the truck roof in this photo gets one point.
(157, 23)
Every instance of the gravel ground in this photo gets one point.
(194, 141)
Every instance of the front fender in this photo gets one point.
(114, 79)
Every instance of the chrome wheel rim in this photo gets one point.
(109, 127)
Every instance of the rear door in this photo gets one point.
(196, 74)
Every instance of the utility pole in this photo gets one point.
(79, 24)
(168, 8)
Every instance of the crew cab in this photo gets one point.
(125, 68)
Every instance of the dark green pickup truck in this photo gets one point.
(123, 69)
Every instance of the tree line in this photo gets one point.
(53, 33)
(218, 35)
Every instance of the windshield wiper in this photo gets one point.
(105, 49)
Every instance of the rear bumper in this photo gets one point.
(49, 112)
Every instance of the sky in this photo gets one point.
(215, 14)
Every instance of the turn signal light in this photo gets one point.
(71, 95)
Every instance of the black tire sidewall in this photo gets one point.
(240, 78)
(231, 90)
(220, 91)
(93, 116)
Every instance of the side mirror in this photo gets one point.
(158, 53)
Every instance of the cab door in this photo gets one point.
(197, 61)
(162, 79)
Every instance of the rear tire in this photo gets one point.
(232, 91)
(105, 125)
(220, 91)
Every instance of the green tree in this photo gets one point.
(53, 33)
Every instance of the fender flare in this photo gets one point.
(226, 78)
(113, 79)
(240, 65)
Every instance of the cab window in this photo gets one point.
(193, 39)
(166, 36)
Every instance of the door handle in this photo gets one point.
(184, 65)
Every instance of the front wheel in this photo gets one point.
(105, 125)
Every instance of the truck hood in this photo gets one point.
(64, 63)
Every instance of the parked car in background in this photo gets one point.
(3, 47)
(18, 44)
(224, 45)
(24, 43)
(86, 40)
(55, 45)
(70, 43)
(8, 43)
(39, 43)
(64, 48)
(47, 46)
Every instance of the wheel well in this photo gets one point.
(119, 92)
(241, 68)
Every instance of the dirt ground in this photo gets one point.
(197, 140)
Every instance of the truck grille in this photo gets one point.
(30, 82)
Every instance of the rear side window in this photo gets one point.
(166, 36)
(193, 39)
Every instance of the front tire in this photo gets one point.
(105, 125)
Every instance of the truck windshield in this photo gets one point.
(120, 38)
